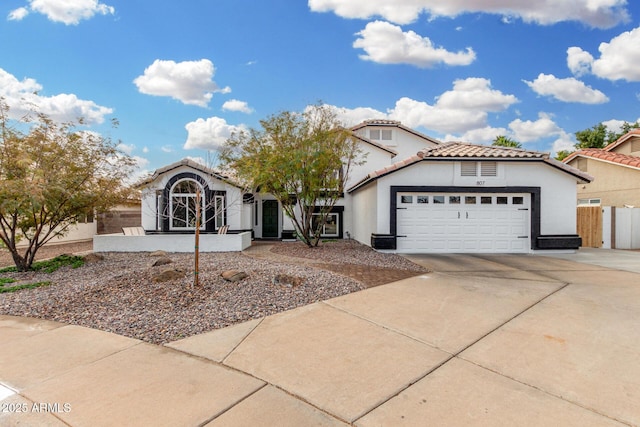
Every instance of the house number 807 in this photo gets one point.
(479, 182)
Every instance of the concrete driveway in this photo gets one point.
(483, 340)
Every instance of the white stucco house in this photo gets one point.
(413, 194)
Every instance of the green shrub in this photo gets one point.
(25, 286)
(51, 265)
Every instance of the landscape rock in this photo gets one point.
(158, 253)
(167, 275)
(287, 280)
(163, 260)
(93, 257)
(234, 275)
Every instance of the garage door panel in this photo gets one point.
(497, 225)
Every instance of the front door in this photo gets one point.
(270, 218)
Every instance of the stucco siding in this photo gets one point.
(614, 185)
(557, 189)
(364, 202)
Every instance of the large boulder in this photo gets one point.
(167, 275)
(287, 280)
(234, 275)
(163, 260)
(92, 257)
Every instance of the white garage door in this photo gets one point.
(463, 222)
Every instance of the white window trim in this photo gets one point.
(173, 195)
(337, 233)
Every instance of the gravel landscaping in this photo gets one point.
(118, 294)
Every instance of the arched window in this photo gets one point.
(183, 202)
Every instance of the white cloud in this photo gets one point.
(567, 90)
(65, 11)
(167, 149)
(235, 105)
(565, 142)
(351, 117)
(475, 93)
(190, 82)
(618, 59)
(596, 13)
(209, 134)
(459, 110)
(527, 131)
(23, 97)
(579, 61)
(18, 14)
(387, 44)
(418, 113)
(126, 148)
(484, 135)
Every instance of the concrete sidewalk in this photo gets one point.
(484, 340)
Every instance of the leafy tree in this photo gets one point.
(303, 159)
(51, 176)
(594, 137)
(503, 141)
(597, 136)
(563, 154)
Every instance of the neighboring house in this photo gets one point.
(452, 197)
(616, 169)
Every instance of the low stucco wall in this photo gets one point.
(171, 242)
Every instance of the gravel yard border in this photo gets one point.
(118, 294)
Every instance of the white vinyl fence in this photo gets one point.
(620, 228)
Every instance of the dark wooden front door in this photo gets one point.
(270, 218)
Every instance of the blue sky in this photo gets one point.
(181, 76)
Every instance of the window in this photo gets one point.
(330, 227)
(423, 199)
(582, 164)
(470, 200)
(334, 181)
(485, 200)
(438, 200)
(406, 199)
(454, 200)
(518, 200)
(381, 134)
(219, 212)
(588, 201)
(183, 205)
(502, 200)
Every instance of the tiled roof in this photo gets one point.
(375, 144)
(393, 123)
(468, 150)
(185, 162)
(624, 138)
(607, 156)
(462, 150)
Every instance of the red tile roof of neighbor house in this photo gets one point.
(624, 138)
(607, 156)
(468, 151)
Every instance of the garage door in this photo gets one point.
(463, 222)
